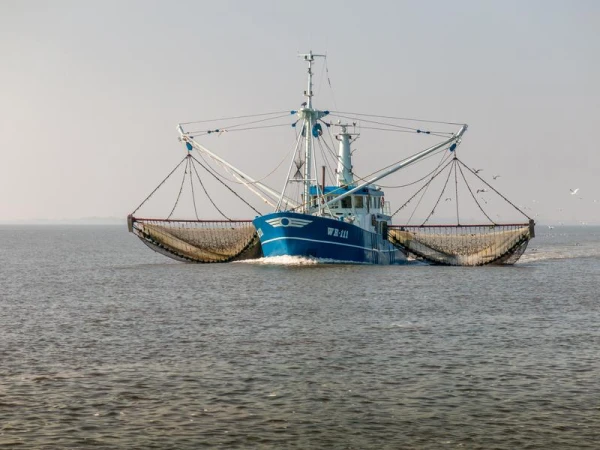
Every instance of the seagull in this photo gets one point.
(448, 199)
(495, 176)
(481, 190)
(477, 170)
(574, 191)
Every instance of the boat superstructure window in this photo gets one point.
(347, 202)
(358, 202)
(334, 205)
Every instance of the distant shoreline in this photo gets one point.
(65, 222)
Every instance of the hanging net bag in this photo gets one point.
(460, 244)
(464, 245)
(206, 241)
(197, 241)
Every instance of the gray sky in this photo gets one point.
(91, 92)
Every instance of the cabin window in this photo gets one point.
(358, 202)
(347, 202)
(314, 201)
(333, 205)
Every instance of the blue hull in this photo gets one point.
(293, 234)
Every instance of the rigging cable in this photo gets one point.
(161, 183)
(231, 190)
(422, 187)
(229, 130)
(233, 118)
(194, 195)
(456, 191)
(397, 118)
(208, 196)
(407, 129)
(488, 185)
(445, 156)
(187, 164)
(432, 133)
(473, 195)
(441, 194)
(255, 181)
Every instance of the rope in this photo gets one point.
(194, 196)
(488, 185)
(473, 195)
(161, 183)
(233, 118)
(249, 182)
(422, 187)
(402, 127)
(231, 190)
(441, 194)
(205, 132)
(456, 191)
(397, 162)
(444, 157)
(397, 118)
(208, 196)
(181, 187)
(432, 133)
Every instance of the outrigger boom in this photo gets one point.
(244, 179)
(454, 139)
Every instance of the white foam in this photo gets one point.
(287, 260)
(559, 253)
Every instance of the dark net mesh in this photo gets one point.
(199, 241)
(463, 245)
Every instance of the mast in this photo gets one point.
(310, 116)
(345, 176)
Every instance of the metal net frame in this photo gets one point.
(199, 241)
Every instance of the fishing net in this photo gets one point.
(200, 241)
(464, 245)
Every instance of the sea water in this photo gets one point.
(105, 344)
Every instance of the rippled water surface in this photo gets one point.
(105, 344)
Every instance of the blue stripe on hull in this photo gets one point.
(293, 234)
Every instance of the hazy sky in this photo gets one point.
(91, 91)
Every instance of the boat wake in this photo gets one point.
(286, 260)
(568, 252)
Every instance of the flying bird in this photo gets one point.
(574, 191)
(495, 176)
(448, 199)
(477, 170)
(481, 190)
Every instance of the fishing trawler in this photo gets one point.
(347, 220)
